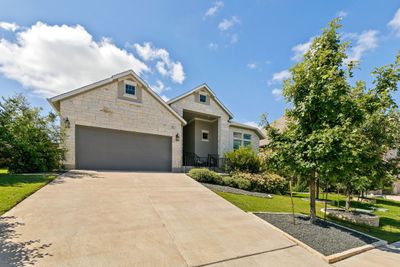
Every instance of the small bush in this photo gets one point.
(243, 159)
(205, 176)
(237, 182)
(300, 186)
(229, 181)
(264, 182)
(243, 184)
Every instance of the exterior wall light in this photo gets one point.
(67, 124)
(177, 137)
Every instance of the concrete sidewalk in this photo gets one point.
(388, 256)
(138, 219)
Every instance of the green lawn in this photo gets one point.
(388, 230)
(15, 188)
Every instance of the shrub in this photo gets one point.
(229, 181)
(29, 141)
(243, 159)
(264, 182)
(204, 175)
(300, 186)
(237, 182)
(244, 184)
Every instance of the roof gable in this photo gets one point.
(55, 101)
(208, 89)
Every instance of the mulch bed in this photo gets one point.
(325, 237)
(228, 189)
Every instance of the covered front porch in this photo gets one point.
(200, 140)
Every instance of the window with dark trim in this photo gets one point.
(130, 89)
(203, 98)
(204, 135)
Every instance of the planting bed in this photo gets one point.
(325, 237)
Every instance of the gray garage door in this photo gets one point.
(105, 149)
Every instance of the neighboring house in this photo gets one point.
(120, 123)
(279, 124)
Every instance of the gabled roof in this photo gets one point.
(245, 126)
(202, 86)
(279, 124)
(54, 101)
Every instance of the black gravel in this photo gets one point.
(326, 238)
(228, 189)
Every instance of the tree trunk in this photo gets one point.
(291, 198)
(347, 200)
(313, 216)
(326, 202)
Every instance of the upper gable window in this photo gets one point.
(203, 98)
(130, 89)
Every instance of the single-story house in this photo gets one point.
(120, 123)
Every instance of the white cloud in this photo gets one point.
(252, 66)
(165, 66)
(54, 59)
(300, 49)
(366, 41)
(9, 26)
(394, 24)
(342, 14)
(280, 76)
(277, 93)
(148, 52)
(177, 74)
(165, 98)
(214, 8)
(213, 46)
(160, 66)
(234, 38)
(226, 24)
(159, 87)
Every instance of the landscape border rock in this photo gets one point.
(356, 217)
(328, 258)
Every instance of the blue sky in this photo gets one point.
(241, 49)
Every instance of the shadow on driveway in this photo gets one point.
(18, 253)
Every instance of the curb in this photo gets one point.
(331, 258)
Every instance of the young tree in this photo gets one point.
(338, 132)
(375, 133)
(29, 142)
(319, 92)
(320, 100)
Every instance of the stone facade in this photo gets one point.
(212, 108)
(105, 105)
(101, 107)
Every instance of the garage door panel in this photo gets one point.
(106, 149)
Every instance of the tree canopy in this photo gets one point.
(335, 131)
(29, 141)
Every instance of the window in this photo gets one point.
(203, 98)
(204, 135)
(246, 139)
(130, 90)
(237, 140)
(240, 139)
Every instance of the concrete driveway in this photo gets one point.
(138, 219)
